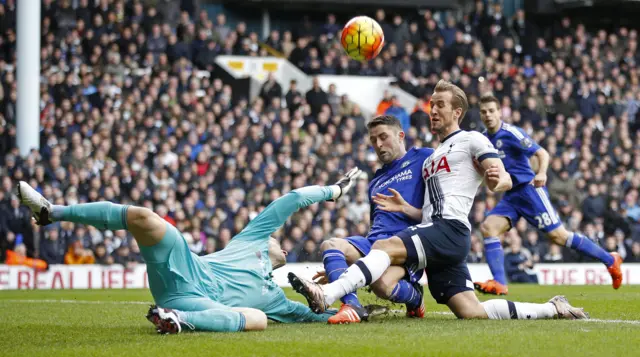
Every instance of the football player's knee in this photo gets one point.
(394, 247)
(141, 218)
(471, 312)
(333, 243)
(255, 320)
(488, 229)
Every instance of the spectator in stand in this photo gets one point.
(518, 261)
(131, 112)
(52, 249)
(399, 112)
(18, 256)
(77, 254)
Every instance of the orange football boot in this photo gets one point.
(418, 312)
(491, 287)
(348, 315)
(616, 270)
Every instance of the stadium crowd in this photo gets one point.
(130, 114)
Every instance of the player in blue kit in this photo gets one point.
(227, 291)
(439, 245)
(528, 198)
(401, 173)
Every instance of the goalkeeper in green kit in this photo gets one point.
(227, 291)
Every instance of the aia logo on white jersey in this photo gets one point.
(431, 169)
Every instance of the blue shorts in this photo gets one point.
(441, 249)
(364, 244)
(531, 203)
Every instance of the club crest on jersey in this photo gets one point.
(498, 144)
(405, 164)
(430, 170)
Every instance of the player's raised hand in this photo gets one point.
(321, 277)
(393, 203)
(540, 180)
(347, 181)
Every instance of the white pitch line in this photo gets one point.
(428, 312)
(94, 302)
(631, 322)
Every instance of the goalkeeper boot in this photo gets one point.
(166, 321)
(40, 207)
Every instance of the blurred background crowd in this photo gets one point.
(130, 113)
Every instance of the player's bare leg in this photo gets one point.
(492, 230)
(465, 305)
(388, 287)
(365, 271)
(613, 261)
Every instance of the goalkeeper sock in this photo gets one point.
(216, 320)
(335, 264)
(102, 215)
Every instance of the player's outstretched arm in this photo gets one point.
(543, 164)
(255, 320)
(496, 177)
(396, 203)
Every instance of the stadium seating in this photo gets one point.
(133, 111)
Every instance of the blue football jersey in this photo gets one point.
(404, 176)
(515, 148)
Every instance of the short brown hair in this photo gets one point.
(458, 99)
(488, 98)
(389, 120)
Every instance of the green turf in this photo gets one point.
(111, 327)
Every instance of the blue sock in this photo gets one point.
(495, 259)
(405, 293)
(587, 247)
(335, 264)
(102, 215)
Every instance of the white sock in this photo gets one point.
(499, 310)
(356, 276)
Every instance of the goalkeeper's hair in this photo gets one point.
(389, 120)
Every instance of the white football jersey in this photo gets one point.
(451, 179)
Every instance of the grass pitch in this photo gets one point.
(112, 323)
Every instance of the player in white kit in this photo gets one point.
(440, 244)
